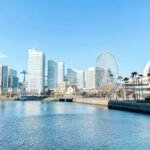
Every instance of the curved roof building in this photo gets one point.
(147, 69)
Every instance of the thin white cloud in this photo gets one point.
(3, 56)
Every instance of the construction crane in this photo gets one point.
(24, 81)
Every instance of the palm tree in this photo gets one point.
(138, 78)
(133, 75)
(111, 80)
(120, 78)
(141, 76)
(126, 81)
(111, 76)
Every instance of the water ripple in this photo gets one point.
(68, 126)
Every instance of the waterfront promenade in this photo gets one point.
(6, 98)
(92, 100)
(128, 105)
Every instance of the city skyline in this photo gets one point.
(70, 31)
(74, 74)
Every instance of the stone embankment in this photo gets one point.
(6, 98)
(93, 101)
(52, 99)
(130, 106)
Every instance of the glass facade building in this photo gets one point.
(3, 79)
(72, 75)
(52, 75)
(76, 77)
(13, 79)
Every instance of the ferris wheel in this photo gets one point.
(107, 68)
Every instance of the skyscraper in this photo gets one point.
(3, 79)
(76, 77)
(90, 78)
(93, 77)
(80, 79)
(1, 66)
(72, 75)
(61, 70)
(36, 70)
(52, 74)
(13, 79)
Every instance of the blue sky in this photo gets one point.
(76, 31)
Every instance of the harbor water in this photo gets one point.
(38, 125)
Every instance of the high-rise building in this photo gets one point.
(90, 78)
(3, 79)
(72, 75)
(52, 74)
(61, 70)
(76, 77)
(1, 66)
(93, 78)
(13, 79)
(36, 70)
(80, 79)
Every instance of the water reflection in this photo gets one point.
(32, 108)
(42, 125)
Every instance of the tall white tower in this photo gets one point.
(90, 77)
(36, 70)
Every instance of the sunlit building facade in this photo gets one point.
(36, 70)
(93, 76)
(80, 79)
(61, 72)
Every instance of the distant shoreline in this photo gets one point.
(7, 98)
(127, 105)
